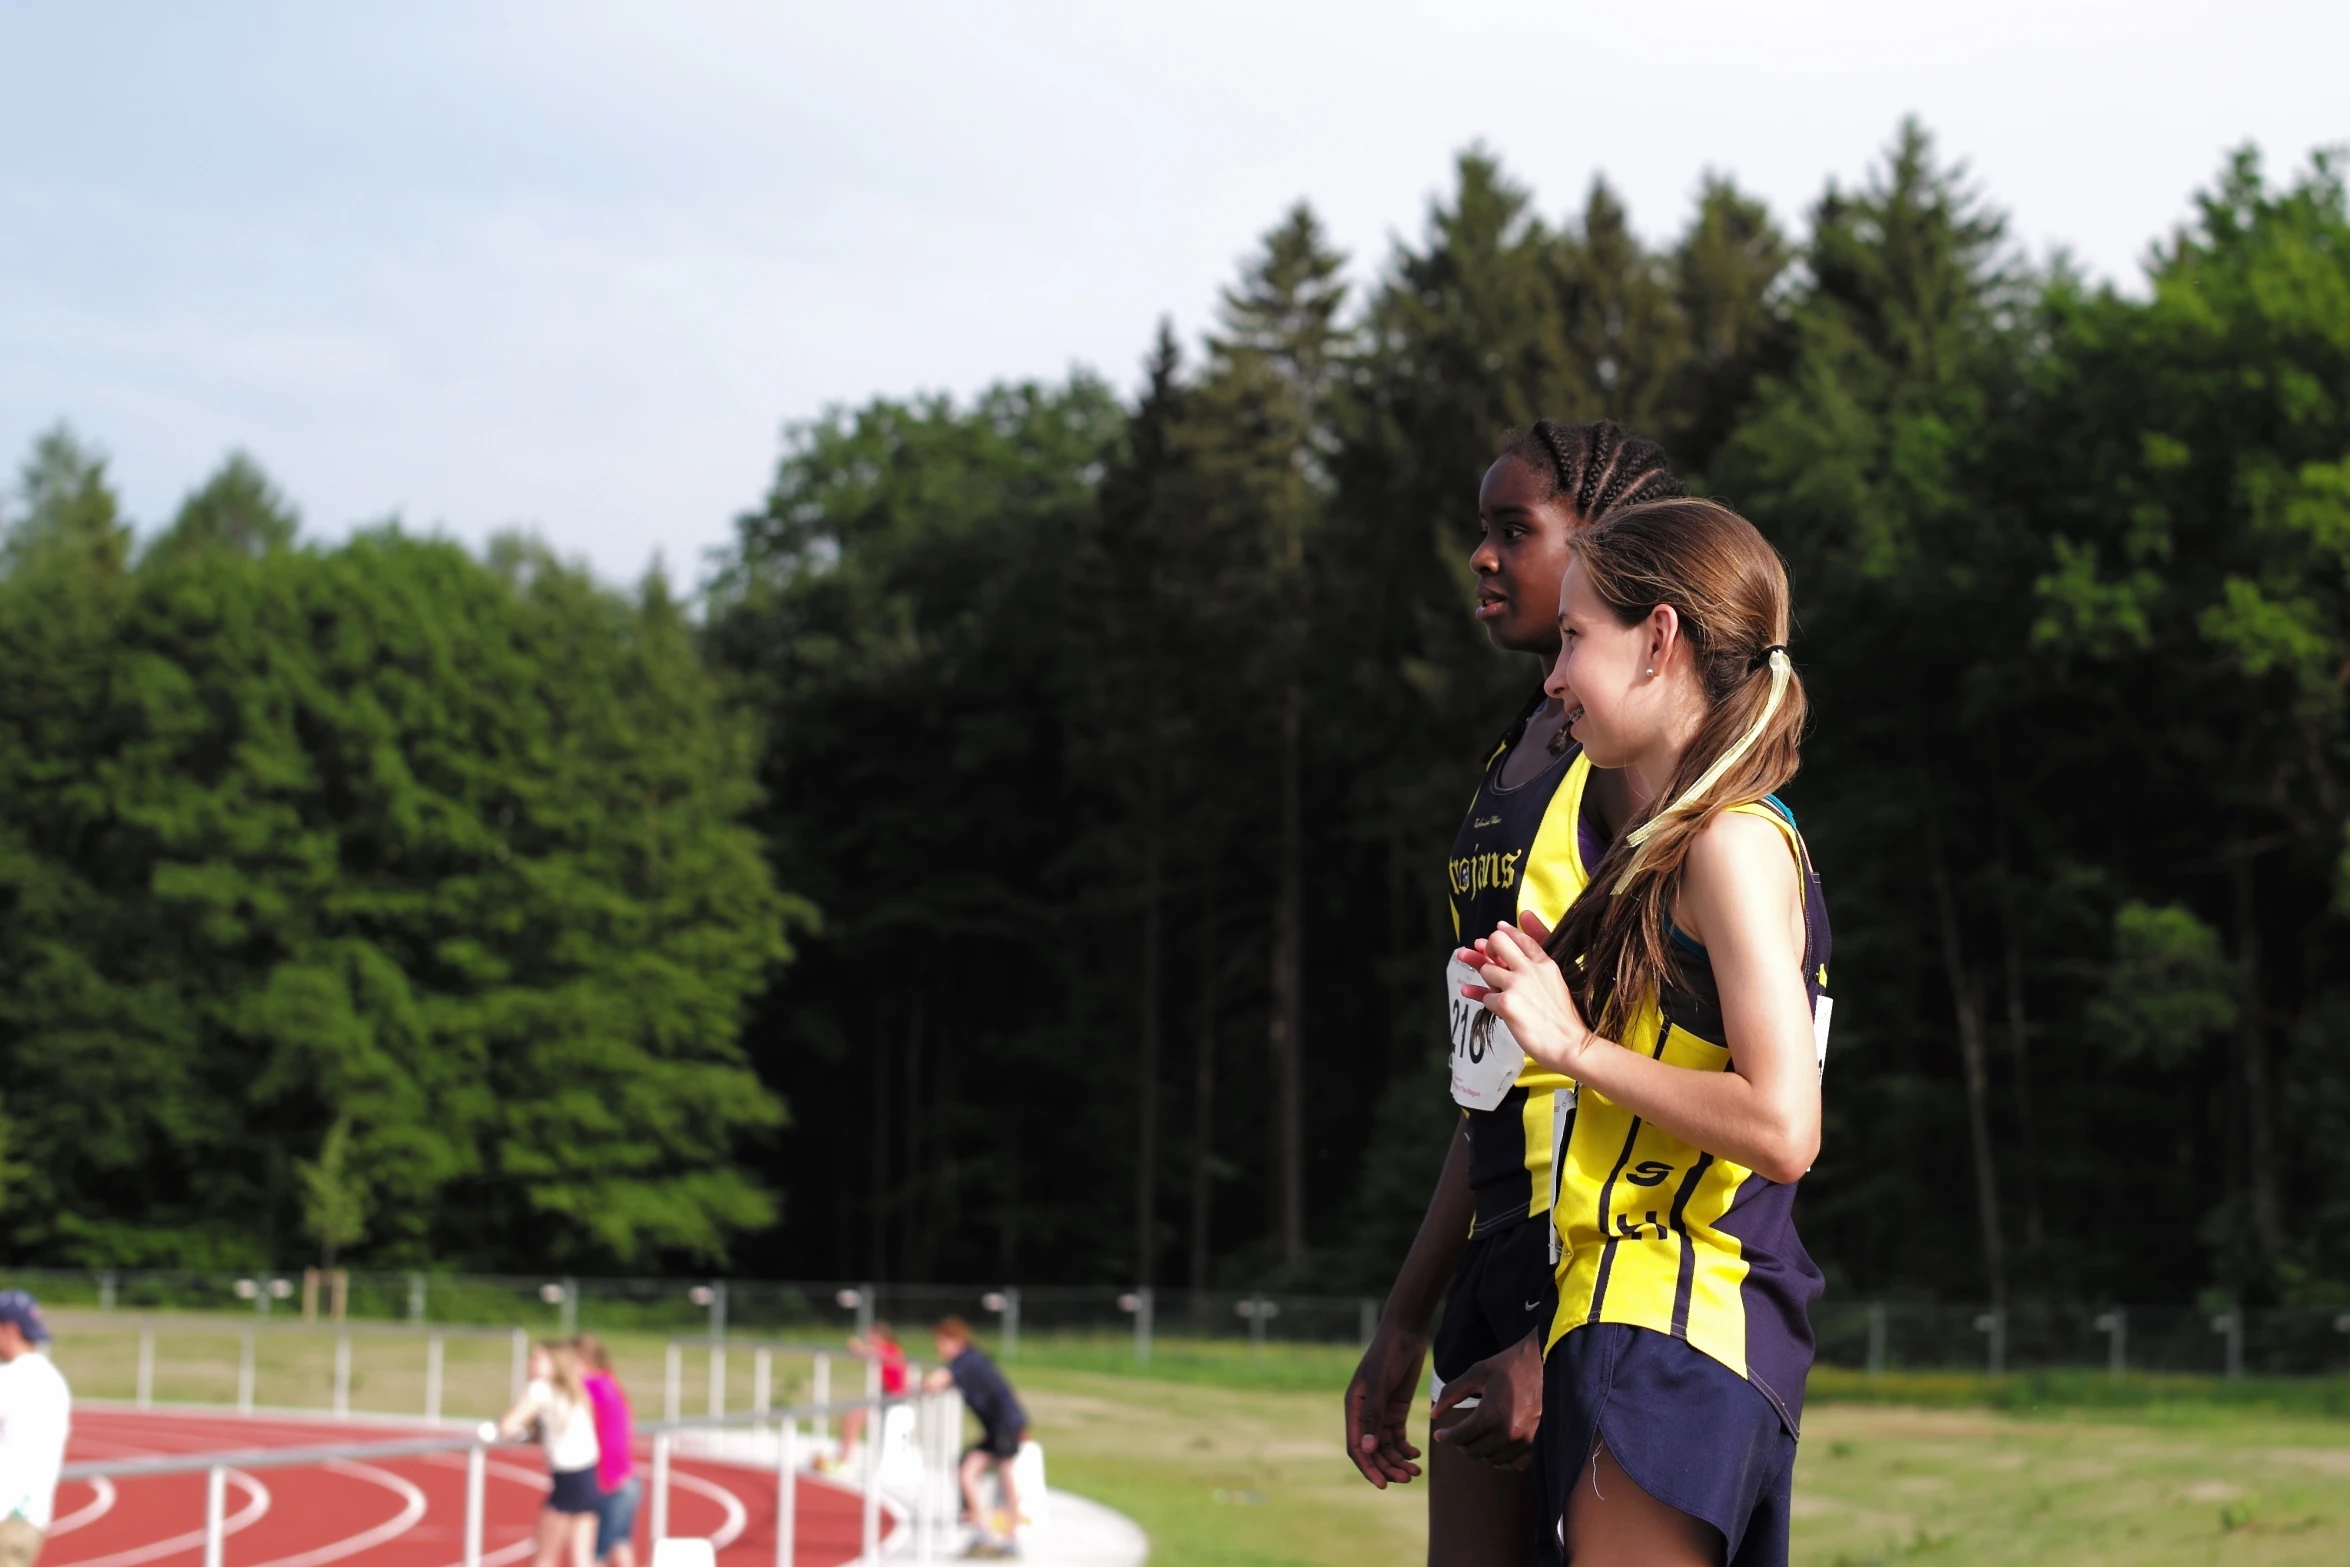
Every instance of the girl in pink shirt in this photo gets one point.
(616, 1473)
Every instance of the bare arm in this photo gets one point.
(1737, 898)
(1379, 1399)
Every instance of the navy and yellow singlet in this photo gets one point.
(1519, 848)
(1659, 1235)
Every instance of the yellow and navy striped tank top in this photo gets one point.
(1518, 848)
(1661, 1235)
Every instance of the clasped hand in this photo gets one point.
(1527, 990)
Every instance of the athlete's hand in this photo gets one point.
(1508, 1389)
(1379, 1401)
(1526, 990)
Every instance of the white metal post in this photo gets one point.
(872, 1523)
(717, 1379)
(245, 1374)
(786, 1498)
(673, 1382)
(215, 1514)
(521, 1376)
(661, 1487)
(476, 1477)
(762, 1380)
(434, 1355)
(820, 1388)
(342, 1376)
(146, 1389)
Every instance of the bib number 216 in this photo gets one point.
(1485, 1054)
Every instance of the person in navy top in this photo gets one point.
(1003, 1425)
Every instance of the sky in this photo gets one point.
(575, 267)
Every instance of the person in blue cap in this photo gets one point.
(36, 1413)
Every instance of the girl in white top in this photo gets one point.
(556, 1403)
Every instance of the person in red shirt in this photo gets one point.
(880, 1345)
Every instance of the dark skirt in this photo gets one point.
(1689, 1431)
(574, 1491)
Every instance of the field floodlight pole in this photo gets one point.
(2115, 1325)
(476, 1484)
(215, 1515)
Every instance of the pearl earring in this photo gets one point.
(1652, 669)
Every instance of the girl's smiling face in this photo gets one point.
(1605, 676)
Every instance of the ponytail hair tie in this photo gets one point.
(1692, 799)
(1764, 657)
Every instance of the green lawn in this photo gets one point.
(2181, 1472)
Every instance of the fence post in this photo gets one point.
(521, 1372)
(1366, 1320)
(416, 1299)
(661, 1486)
(1993, 1324)
(786, 1500)
(2230, 1324)
(1139, 1303)
(342, 1376)
(717, 1401)
(1011, 1322)
(106, 1290)
(433, 1368)
(215, 1514)
(570, 1306)
(673, 1381)
(871, 1533)
(146, 1385)
(245, 1374)
(2115, 1325)
(476, 1483)
(762, 1380)
(820, 1388)
(1876, 1362)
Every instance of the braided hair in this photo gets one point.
(1597, 469)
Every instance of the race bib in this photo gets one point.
(1822, 1007)
(1485, 1054)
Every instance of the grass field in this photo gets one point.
(1229, 1458)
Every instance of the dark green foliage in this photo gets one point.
(377, 855)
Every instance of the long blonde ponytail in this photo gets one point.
(1729, 589)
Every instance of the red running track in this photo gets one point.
(405, 1512)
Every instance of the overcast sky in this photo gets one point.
(574, 266)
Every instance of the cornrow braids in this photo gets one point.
(1598, 467)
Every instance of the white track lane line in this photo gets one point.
(254, 1510)
(528, 1544)
(736, 1519)
(366, 1539)
(99, 1506)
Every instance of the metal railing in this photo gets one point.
(926, 1506)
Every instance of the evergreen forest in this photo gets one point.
(1019, 854)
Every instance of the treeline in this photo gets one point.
(375, 897)
(1121, 745)
(1100, 757)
